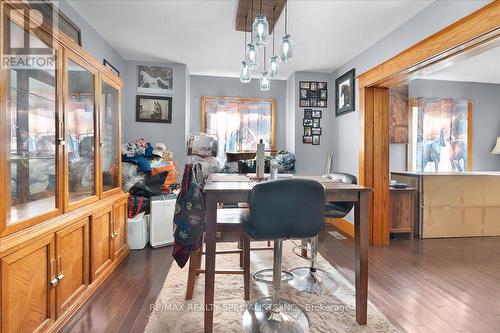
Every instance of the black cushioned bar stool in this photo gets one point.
(279, 210)
(310, 279)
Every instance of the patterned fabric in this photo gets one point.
(189, 216)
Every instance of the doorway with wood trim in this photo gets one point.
(470, 36)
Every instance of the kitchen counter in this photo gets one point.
(464, 173)
(460, 204)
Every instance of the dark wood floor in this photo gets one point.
(441, 285)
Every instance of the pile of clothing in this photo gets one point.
(147, 171)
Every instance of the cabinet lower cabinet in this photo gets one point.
(72, 258)
(102, 242)
(45, 281)
(120, 232)
(28, 293)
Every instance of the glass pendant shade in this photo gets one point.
(244, 73)
(260, 31)
(265, 81)
(251, 56)
(286, 49)
(273, 67)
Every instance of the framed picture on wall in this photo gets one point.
(344, 93)
(153, 109)
(155, 80)
(111, 67)
(313, 94)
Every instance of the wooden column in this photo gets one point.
(374, 159)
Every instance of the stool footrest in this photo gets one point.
(228, 271)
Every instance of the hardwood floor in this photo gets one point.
(433, 285)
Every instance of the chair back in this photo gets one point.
(287, 208)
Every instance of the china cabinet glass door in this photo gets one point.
(29, 129)
(80, 126)
(109, 137)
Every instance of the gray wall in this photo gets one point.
(92, 41)
(225, 86)
(485, 114)
(172, 135)
(311, 159)
(431, 19)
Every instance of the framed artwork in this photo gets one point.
(154, 109)
(315, 122)
(308, 130)
(308, 122)
(316, 113)
(111, 67)
(315, 140)
(307, 113)
(307, 139)
(345, 93)
(313, 94)
(316, 130)
(155, 80)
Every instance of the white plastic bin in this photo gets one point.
(162, 220)
(138, 231)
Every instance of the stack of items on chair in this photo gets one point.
(147, 171)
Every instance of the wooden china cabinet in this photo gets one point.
(62, 210)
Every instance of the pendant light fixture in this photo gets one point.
(286, 50)
(265, 80)
(260, 29)
(273, 61)
(245, 73)
(251, 51)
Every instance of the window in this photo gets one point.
(240, 123)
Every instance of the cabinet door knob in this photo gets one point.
(54, 282)
(114, 234)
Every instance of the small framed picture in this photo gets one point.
(316, 122)
(345, 93)
(316, 113)
(322, 104)
(315, 140)
(308, 139)
(111, 67)
(321, 85)
(308, 113)
(304, 85)
(313, 102)
(307, 131)
(304, 103)
(314, 85)
(154, 109)
(303, 93)
(316, 130)
(308, 122)
(323, 94)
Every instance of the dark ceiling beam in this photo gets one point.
(245, 11)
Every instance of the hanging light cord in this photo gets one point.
(245, 46)
(265, 59)
(260, 9)
(273, 28)
(286, 17)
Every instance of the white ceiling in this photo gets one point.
(484, 67)
(201, 33)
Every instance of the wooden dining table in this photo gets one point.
(227, 189)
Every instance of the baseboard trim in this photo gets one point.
(342, 224)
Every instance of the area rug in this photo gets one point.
(327, 313)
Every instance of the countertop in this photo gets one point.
(465, 173)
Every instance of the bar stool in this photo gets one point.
(310, 279)
(228, 222)
(281, 209)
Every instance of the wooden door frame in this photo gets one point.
(476, 32)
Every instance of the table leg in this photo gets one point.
(210, 229)
(361, 253)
